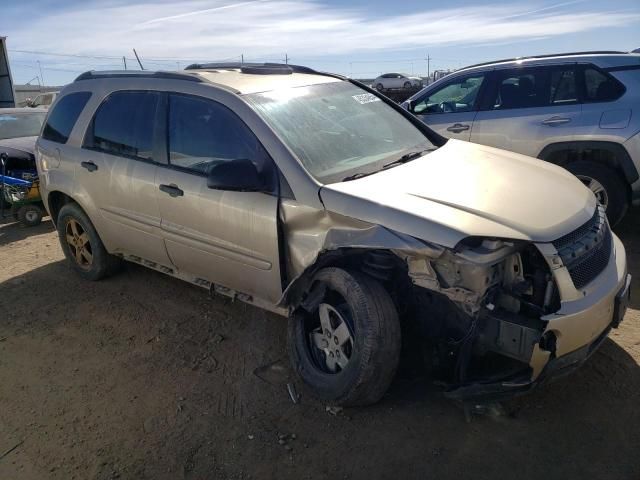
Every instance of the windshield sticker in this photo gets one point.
(365, 98)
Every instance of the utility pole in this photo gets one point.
(428, 67)
(241, 58)
(286, 59)
(124, 62)
(138, 58)
(41, 76)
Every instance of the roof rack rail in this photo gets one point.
(97, 74)
(530, 57)
(267, 66)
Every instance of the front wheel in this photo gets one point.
(29, 215)
(607, 186)
(407, 85)
(346, 349)
(82, 245)
(379, 87)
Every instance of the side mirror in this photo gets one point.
(409, 105)
(239, 175)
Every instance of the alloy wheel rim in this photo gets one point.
(79, 244)
(31, 216)
(332, 341)
(596, 187)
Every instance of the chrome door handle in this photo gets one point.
(92, 167)
(556, 121)
(173, 190)
(457, 128)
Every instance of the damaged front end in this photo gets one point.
(488, 317)
(480, 306)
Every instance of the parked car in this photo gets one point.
(44, 100)
(396, 80)
(578, 110)
(19, 195)
(317, 198)
(21, 123)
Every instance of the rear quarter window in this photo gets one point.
(600, 86)
(63, 117)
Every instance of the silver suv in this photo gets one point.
(315, 197)
(580, 111)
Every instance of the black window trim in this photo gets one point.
(156, 158)
(163, 140)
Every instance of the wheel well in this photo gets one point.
(381, 265)
(56, 201)
(610, 154)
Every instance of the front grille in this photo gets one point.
(586, 251)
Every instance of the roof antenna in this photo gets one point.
(138, 58)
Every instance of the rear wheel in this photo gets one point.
(346, 349)
(608, 187)
(82, 245)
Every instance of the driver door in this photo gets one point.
(229, 238)
(451, 108)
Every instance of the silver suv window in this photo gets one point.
(124, 125)
(204, 133)
(336, 129)
(460, 95)
(64, 116)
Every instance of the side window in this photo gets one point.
(204, 133)
(520, 89)
(124, 124)
(460, 95)
(600, 87)
(63, 117)
(563, 87)
(47, 99)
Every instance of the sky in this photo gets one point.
(52, 42)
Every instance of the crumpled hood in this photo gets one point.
(464, 189)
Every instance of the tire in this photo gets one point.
(614, 187)
(375, 347)
(407, 85)
(94, 263)
(379, 87)
(29, 215)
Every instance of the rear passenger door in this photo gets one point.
(451, 109)
(229, 238)
(525, 109)
(116, 171)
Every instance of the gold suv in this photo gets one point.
(315, 197)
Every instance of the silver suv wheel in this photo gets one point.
(332, 339)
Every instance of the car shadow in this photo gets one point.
(11, 232)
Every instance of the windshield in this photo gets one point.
(14, 125)
(337, 129)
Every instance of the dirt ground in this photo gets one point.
(142, 376)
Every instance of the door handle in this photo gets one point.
(173, 190)
(556, 121)
(457, 128)
(92, 167)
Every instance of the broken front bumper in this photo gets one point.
(580, 327)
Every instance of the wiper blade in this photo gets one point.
(356, 176)
(407, 157)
